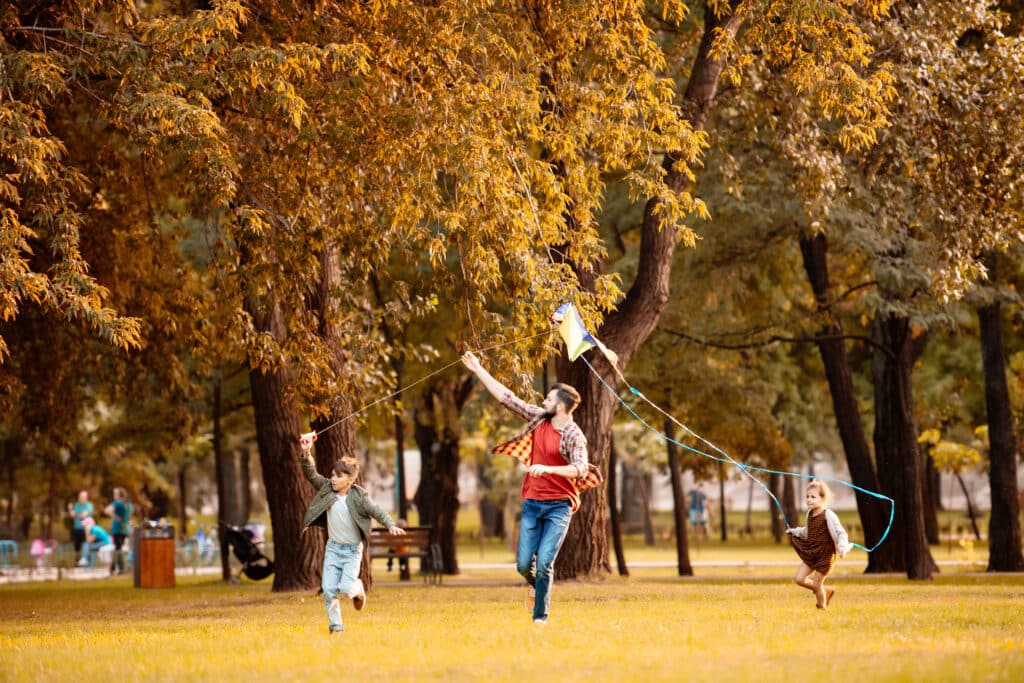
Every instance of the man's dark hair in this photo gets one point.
(345, 467)
(567, 396)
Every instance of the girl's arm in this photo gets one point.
(838, 533)
(798, 531)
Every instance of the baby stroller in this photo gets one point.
(255, 564)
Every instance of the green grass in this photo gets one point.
(646, 628)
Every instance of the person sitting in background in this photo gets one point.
(78, 512)
(96, 540)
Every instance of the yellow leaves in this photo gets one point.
(952, 456)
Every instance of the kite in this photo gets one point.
(576, 337)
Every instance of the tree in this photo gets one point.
(773, 33)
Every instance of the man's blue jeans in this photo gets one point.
(340, 575)
(542, 529)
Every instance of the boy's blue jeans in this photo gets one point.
(340, 575)
(542, 530)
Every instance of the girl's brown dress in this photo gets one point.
(817, 551)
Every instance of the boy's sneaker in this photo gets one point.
(531, 598)
(359, 599)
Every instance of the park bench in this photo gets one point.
(414, 543)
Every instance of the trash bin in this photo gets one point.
(153, 555)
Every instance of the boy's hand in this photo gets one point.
(306, 441)
(396, 531)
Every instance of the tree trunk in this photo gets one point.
(181, 503)
(900, 470)
(492, 515)
(585, 551)
(613, 511)
(683, 565)
(775, 486)
(298, 556)
(874, 512)
(437, 433)
(1004, 527)
(931, 500)
(970, 506)
(789, 506)
(721, 503)
(630, 508)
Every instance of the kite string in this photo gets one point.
(426, 377)
(742, 467)
(745, 469)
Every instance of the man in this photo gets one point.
(556, 458)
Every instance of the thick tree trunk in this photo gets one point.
(874, 512)
(900, 470)
(298, 557)
(1004, 528)
(679, 507)
(613, 511)
(585, 551)
(437, 434)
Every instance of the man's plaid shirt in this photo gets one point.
(572, 445)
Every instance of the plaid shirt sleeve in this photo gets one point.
(520, 407)
(574, 448)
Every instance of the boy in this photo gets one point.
(345, 509)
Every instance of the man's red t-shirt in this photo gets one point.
(545, 452)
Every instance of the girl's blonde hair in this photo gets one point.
(823, 489)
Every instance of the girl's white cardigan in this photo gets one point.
(835, 530)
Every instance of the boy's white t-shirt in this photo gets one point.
(341, 528)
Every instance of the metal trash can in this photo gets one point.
(153, 556)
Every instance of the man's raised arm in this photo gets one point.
(497, 389)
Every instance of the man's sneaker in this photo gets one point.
(531, 598)
(540, 622)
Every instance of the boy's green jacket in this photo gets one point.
(360, 506)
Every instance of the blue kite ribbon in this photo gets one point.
(746, 469)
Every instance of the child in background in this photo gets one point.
(818, 543)
(345, 509)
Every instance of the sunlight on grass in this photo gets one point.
(652, 629)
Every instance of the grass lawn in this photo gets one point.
(649, 627)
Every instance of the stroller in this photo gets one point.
(255, 564)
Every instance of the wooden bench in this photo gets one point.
(414, 543)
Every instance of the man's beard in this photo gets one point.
(548, 415)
